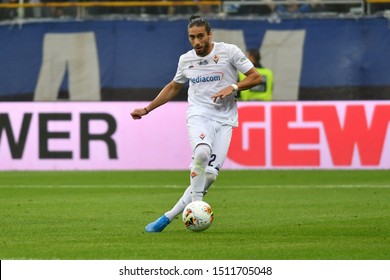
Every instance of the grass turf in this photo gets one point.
(274, 215)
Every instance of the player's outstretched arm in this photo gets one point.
(166, 94)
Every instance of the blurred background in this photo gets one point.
(128, 50)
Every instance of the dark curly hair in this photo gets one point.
(196, 20)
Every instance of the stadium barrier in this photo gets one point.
(378, 2)
(81, 7)
(364, 6)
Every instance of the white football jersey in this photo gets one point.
(207, 76)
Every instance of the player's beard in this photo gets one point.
(203, 51)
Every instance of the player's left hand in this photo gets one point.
(223, 93)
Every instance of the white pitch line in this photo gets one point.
(92, 186)
(341, 186)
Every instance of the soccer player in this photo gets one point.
(211, 69)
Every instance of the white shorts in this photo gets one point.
(217, 135)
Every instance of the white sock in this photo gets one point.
(198, 171)
(180, 205)
(186, 198)
(210, 179)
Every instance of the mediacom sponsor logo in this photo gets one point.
(206, 79)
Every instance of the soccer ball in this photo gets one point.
(197, 216)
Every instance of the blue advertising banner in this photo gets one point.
(140, 55)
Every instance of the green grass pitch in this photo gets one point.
(259, 215)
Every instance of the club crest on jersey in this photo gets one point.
(216, 58)
(202, 136)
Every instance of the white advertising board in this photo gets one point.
(271, 135)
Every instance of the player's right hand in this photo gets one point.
(138, 113)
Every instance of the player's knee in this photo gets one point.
(202, 155)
